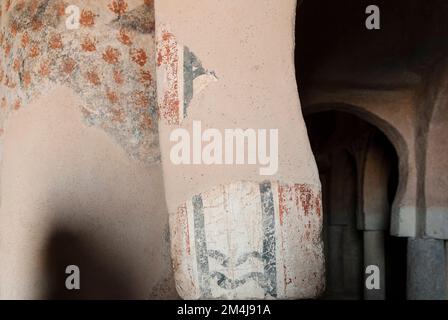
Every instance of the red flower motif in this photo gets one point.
(87, 18)
(55, 42)
(111, 55)
(139, 56)
(118, 77)
(124, 38)
(93, 78)
(119, 7)
(88, 45)
(112, 96)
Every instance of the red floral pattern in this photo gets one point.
(103, 61)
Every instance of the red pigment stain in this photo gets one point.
(14, 28)
(319, 205)
(168, 56)
(27, 79)
(34, 52)
(59, 8)
(305, 196)
(111, 55)
(7, 48)
(56, 42)
(118, 7)
(16, 65)
(88, 45)
(145, 121)
(25, 39)
(87, 18)
(124, 38)
(141, 100)
(118, 77)
(283, 209)
(93, 78)
(44, 69)
(68, 65)
(33, 6)
(112, 96)
(36, 24)
(184, 221)
(145, 77)
(139, 56)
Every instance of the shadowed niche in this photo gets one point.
(359, 170)
(100, 274)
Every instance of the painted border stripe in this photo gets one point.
(201, 247)
(268, 255)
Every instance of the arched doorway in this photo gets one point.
(358, 167)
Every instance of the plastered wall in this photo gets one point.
(81, 178)
(86, 178)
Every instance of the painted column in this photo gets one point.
(376, 212)
(239, 230)
(426, 270)
(374, 256)
(344, 247)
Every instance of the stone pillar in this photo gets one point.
(334, 258)
(426, 270)
(344, 245)
(237, 232)
(436, 173)
(374, 256)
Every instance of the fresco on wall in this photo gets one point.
(108, 61)
(180, 75)
(249, 240)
